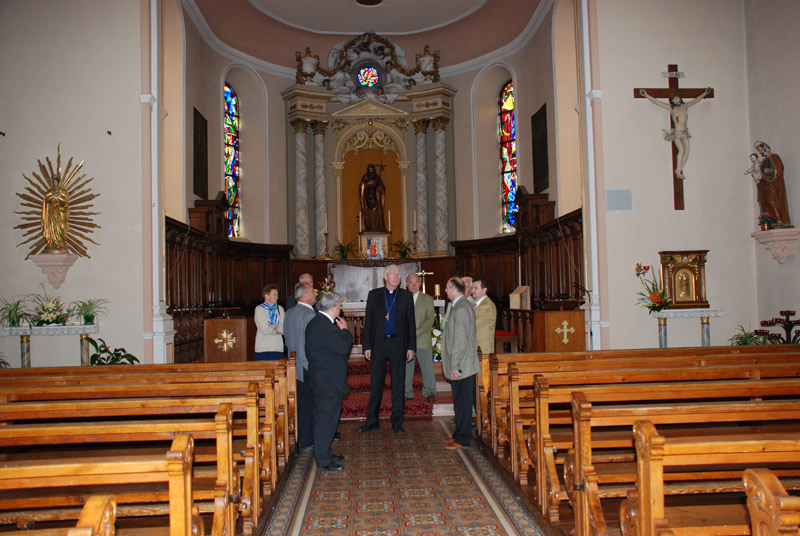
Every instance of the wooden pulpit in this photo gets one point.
(225, 339)
(558, 331)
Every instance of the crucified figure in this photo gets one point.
(679, 135)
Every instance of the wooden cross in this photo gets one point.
(665, 93)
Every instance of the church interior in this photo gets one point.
(537, 144)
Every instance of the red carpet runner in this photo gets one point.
(355, 404)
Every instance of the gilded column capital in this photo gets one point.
(440, 123)
(300, 126)
(319, 127)
(420, 126)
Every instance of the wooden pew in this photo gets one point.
(34, 491)
(711, 463)
(521, 410)
(110, 438)
(484, 405)
(252, 450)
(284, 376)
(773, 512)
(499, 395)
(97, 519)
(598, 428)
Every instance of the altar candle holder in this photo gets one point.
(327, 252)
(436, 291)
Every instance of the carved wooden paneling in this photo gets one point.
(204, 270)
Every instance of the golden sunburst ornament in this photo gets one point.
(225, 341)
(59, 219)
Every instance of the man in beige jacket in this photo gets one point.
(423, 314)
(485, 315)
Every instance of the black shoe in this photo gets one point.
(307, 448)
(337, 457)
(368, 428)
(333, 466)
(398, 430)
(337, 436)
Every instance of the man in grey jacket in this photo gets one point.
(460, 361)
(294, 328)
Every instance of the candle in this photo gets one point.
(436, 290)
(415, 221)
(325, 221)
(390, 221)
(359, 222)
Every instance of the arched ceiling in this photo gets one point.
(272, 31)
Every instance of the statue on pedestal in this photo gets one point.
(771, 188)
(372, 193)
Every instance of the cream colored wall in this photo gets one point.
(637, 39)
(774, 117)
(177, 139)
(476, 153)
(74, 95)
(263, 149)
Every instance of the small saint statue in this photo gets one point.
(372, 193)
(55, 217)
(679, 135)
(771, 187)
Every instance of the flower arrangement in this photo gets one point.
(436, 341)
(48, 310)
(325, 286)
(765, 218)
(654, 297)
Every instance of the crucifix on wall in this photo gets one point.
(678, 134)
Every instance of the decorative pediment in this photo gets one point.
(369, 108)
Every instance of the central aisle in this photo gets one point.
(396, 485)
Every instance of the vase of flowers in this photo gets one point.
(48, 310)
(765, 221)
(654, 297)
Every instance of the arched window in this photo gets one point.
(507, 134)
(232, 186)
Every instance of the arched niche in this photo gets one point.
(567, 128)
(357, 146)
(486, 187)
(177, 130)
(257, 198)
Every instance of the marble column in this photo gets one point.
(320, 189)
(440, 198)
(301, 248)
(422, 243)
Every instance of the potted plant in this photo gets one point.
(404, 248)
(13, 313)
(765, 221)
(89, 309)
(103, 355)
(3, 362)
(343, 250)
(749, 338)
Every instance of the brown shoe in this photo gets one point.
(453, 446)
(431, 399)
(449, 440)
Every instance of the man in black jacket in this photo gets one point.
(327, 350)
(390, 332)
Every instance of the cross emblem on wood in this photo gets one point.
(563, 329)
(665, 93)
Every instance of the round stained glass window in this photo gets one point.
(368, 76)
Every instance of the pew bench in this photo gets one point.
(109, 440)
(772, 511)
(250, 452)
(598, 432)
(713, 461)
(97, 518)
(38, 491)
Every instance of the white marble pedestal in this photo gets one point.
(702, 314)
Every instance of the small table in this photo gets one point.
(25, 338)
(503, 337)
(702, 314)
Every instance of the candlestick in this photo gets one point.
(436, 291)
(415, 221)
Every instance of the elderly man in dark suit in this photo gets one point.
(460, 360)
(389, 333)
(328, 349)
(294, 331)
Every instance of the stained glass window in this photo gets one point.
(507, 134)
(232, 186)
(368, 76)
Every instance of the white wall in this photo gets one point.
(771, 37)
(74, 95)
(637, 39)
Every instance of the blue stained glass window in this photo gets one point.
(232, 177)
(507, 136)
(368, 76)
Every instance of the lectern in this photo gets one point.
(558, 331)
(225, 338)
